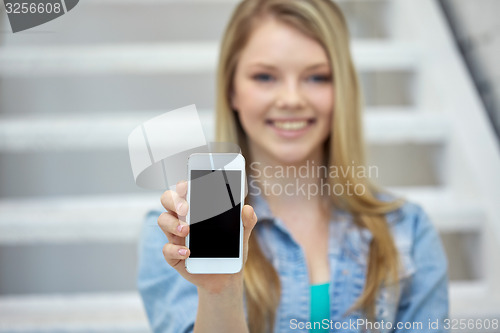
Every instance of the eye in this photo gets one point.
(263, 77)
(320, 78)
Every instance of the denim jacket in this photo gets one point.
(419, 299)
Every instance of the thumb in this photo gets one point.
(249, 221)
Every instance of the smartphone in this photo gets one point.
(216, 194)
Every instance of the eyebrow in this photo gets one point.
(322, 64)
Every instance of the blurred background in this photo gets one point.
(72, 90)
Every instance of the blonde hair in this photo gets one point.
(323, 21)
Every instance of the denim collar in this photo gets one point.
(345, 235)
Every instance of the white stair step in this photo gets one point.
(370, 55)
(472, 299)
(72, 132)
(447, 212)
(77, 132)
(66, 219)
(97, 132)
(385, 127)
(141, 2)
(121, 2)
(119, 217)
(156, 58)
(99, 312)
(159, 21)
(146, 2)
(123, 312)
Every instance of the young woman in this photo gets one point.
(325, 249)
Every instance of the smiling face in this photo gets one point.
(283, 93)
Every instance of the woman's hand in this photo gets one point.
(175, 251)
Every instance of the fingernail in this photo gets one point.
(183, 252)
(179, 228)
(179, 206)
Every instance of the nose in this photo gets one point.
(289, 96)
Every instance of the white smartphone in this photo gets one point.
(216, 194)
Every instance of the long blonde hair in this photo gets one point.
(323, 21)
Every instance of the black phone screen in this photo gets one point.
(215, 204)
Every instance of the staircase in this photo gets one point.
(73, 89)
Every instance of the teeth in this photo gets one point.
(290, 125)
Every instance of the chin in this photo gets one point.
(291, 155)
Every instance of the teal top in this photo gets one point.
(320, 306)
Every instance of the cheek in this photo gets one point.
(253, 101)
(323, 102)
(248, 111)
(255, 96)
